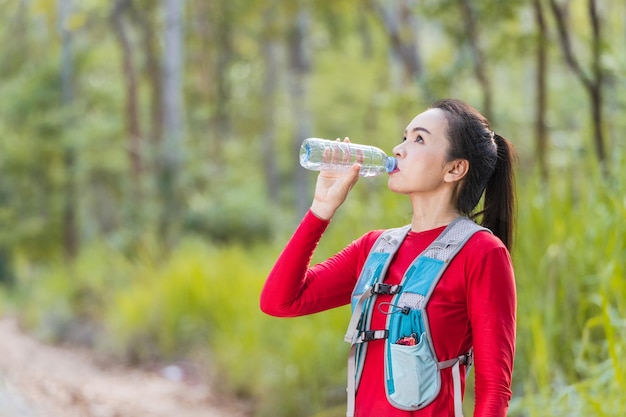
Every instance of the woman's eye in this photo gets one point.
(419, 138)
(404, 139)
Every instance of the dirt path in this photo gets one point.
(38, 380)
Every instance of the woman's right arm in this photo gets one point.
(292, 289)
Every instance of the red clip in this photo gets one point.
(407, 340)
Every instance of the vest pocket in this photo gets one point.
(414, 373)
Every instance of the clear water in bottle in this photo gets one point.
(328, 155)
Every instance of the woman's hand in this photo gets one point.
(333, 187)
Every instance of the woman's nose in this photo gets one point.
(397, 150)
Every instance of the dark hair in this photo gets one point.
(490, 158)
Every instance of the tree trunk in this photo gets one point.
(130, 81)
(153, 70)
(541, 148)
(70, 226)
(223, 60)
(202, 58)
(593, 85)
(300, 67)
(400, 24)
(172, 149)
(598, 77)
(270, 86)
(17, 50)
(480, 69)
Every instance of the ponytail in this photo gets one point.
(498, 213)
(490, 158)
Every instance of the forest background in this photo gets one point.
(149, 176)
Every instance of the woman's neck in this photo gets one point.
(422, 224)
(429, 214)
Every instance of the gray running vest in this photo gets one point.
(412, 371)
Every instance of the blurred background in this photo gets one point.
(149, 176)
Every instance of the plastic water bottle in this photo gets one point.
(329, 155)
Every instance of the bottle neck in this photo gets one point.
(391, 164)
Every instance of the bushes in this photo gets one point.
(206, 298)
(570, 260)
(200, 303)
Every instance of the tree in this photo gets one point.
(399, 23)
(152, 73)
(172, 116)
(592, 83)
(221, 43)
(471, 26)
(270, 50)
(70, 226)
(299, 69)
(541, 129)
(129, 74)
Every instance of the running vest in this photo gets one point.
(412, 371)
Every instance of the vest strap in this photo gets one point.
(351, 334)
(455, 364)
(466, 360)
(456, 384)
(351, 389)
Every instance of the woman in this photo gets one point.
(449, 157)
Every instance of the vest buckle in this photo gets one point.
(385, 289)
(369, 335)
(467, 359)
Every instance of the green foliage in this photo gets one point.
(569, 261)
(66, 301)
(205, 299)
(231, 216)
(165, 308)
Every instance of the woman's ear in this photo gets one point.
(457, 169)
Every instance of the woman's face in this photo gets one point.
(422, 163)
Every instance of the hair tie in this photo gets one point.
(492, 136)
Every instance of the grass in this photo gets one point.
(570, 263)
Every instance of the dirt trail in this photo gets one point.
(39, 380)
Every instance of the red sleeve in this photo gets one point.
(293, 289)
(492, 313)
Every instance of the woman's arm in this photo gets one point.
(293, 289)
(492, 312)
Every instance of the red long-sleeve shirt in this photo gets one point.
(474, 304)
